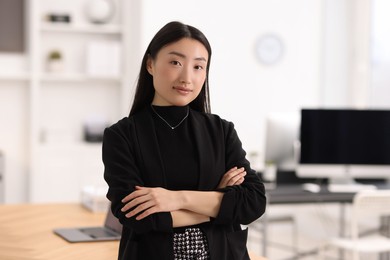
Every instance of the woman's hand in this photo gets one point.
(146, 201)
(235, 176)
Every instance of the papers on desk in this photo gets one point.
(350, 188)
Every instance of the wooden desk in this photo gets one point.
(26, 233)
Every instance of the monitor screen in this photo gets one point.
(345, 137)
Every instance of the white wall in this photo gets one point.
(380, 94)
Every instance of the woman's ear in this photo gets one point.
(149, 65)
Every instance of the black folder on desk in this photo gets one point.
(111, 230)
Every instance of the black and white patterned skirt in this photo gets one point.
(191, 244)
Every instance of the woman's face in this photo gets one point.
(179, 72)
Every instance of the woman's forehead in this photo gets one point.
(186, 48)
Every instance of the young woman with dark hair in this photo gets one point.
(172, 32)
(178, 178)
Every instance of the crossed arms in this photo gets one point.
(186, 207)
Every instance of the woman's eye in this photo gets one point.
(175, 62)
(198, 67)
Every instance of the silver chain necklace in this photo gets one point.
(165, 121)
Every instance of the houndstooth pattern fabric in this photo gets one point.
(190, 245)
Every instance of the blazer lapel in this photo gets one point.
(205, 148)
(154, 171)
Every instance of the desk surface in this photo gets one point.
(26, 233)
(294, 193)
(287, 194)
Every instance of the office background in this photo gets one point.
(323, 59)
(268, 57)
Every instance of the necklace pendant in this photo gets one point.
(165, 121)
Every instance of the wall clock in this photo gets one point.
(269, 49)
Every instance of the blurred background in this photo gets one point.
(68, 70)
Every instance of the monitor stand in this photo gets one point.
(347, 183)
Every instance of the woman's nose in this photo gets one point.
(183, 81)
(185, 77)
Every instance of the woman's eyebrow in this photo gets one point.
(184, 56)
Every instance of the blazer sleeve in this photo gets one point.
(241, 203)
(122, 173)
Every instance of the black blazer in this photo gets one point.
(131, 157)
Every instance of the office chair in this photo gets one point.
(365, 205)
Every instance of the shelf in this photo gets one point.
(81, 28)
(14, 77)
(74, 77)
(60, 101)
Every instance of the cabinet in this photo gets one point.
(94, 82)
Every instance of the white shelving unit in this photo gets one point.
(61, 163)
(45, 156)
(81, 28)
(14, 77)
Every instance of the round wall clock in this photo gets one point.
(269, 49)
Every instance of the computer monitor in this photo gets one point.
(343, 144)
(281, 134)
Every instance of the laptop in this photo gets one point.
(111, 230)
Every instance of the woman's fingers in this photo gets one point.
(239, 181)
(234, 176)
(145, 201)
(137, 193)
(140, 208)
(134, 202)
(151, 210)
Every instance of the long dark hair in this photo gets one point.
(171, 32)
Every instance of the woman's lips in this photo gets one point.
(182, 90)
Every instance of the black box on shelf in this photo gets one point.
(94, 129)
(58, 18)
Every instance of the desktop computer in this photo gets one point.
(344, 144)
(281, 132)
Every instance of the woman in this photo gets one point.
(177, 174)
